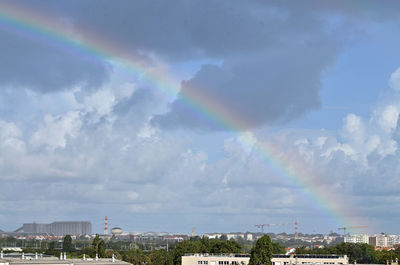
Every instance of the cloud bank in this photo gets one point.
(273, 54)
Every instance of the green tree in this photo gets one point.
(182, 248)
(136, 257)
(160, 257)
(110, 252)
(89, 252)
(218, 246)
(101, 249)
(51, 249)
(383, 256)
(261, 254)
(360, 252)
(278, 248)
(43, 246)
(223, 238)
(96, 241)
(67, 244)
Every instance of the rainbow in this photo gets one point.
(31, 24)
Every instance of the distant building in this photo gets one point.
(234, 236)
(249, 237)
(58, 228)
(384, 241)
(213, 235)
(361, 238)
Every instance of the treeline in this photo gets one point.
(356, 252)
(138, 256)
(195, 245)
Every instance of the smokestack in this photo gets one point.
(106, 225)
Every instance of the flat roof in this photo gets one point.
(103, 261)
(301, 256)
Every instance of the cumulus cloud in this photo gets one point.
(95, 165)
(55, 131)
(362, 158)
(90, 160)
(394, 81)
(103, 151)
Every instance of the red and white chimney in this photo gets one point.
(106, 225)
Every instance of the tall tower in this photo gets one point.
(106, 225)
(296, 229)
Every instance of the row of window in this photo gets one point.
(310, 262)
(222, 262)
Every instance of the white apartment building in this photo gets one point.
(243, 259)
(249, 237)
(213, 235)
(383, 240)
(360, 238)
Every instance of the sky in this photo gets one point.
(217, 115)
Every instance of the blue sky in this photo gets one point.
(320, 81)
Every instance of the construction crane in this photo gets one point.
(268, 225)
(350, 227)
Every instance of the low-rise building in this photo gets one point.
(243, 259)
(35, 259)
(361, 238)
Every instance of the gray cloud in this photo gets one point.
(43, 67)
(273, 53)
(261, 88)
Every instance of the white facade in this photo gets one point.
(383, 240)
(361, 238)
(243, 259)
(249, 237)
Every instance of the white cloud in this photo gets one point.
(394, 81)
(10, 136)
(388, 118)
(56, 130)
(119, 162)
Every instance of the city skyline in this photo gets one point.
(218, 115)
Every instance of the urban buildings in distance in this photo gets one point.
(379, 241)
(58, 228)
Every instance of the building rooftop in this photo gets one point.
(54, 260)
(302, 256)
